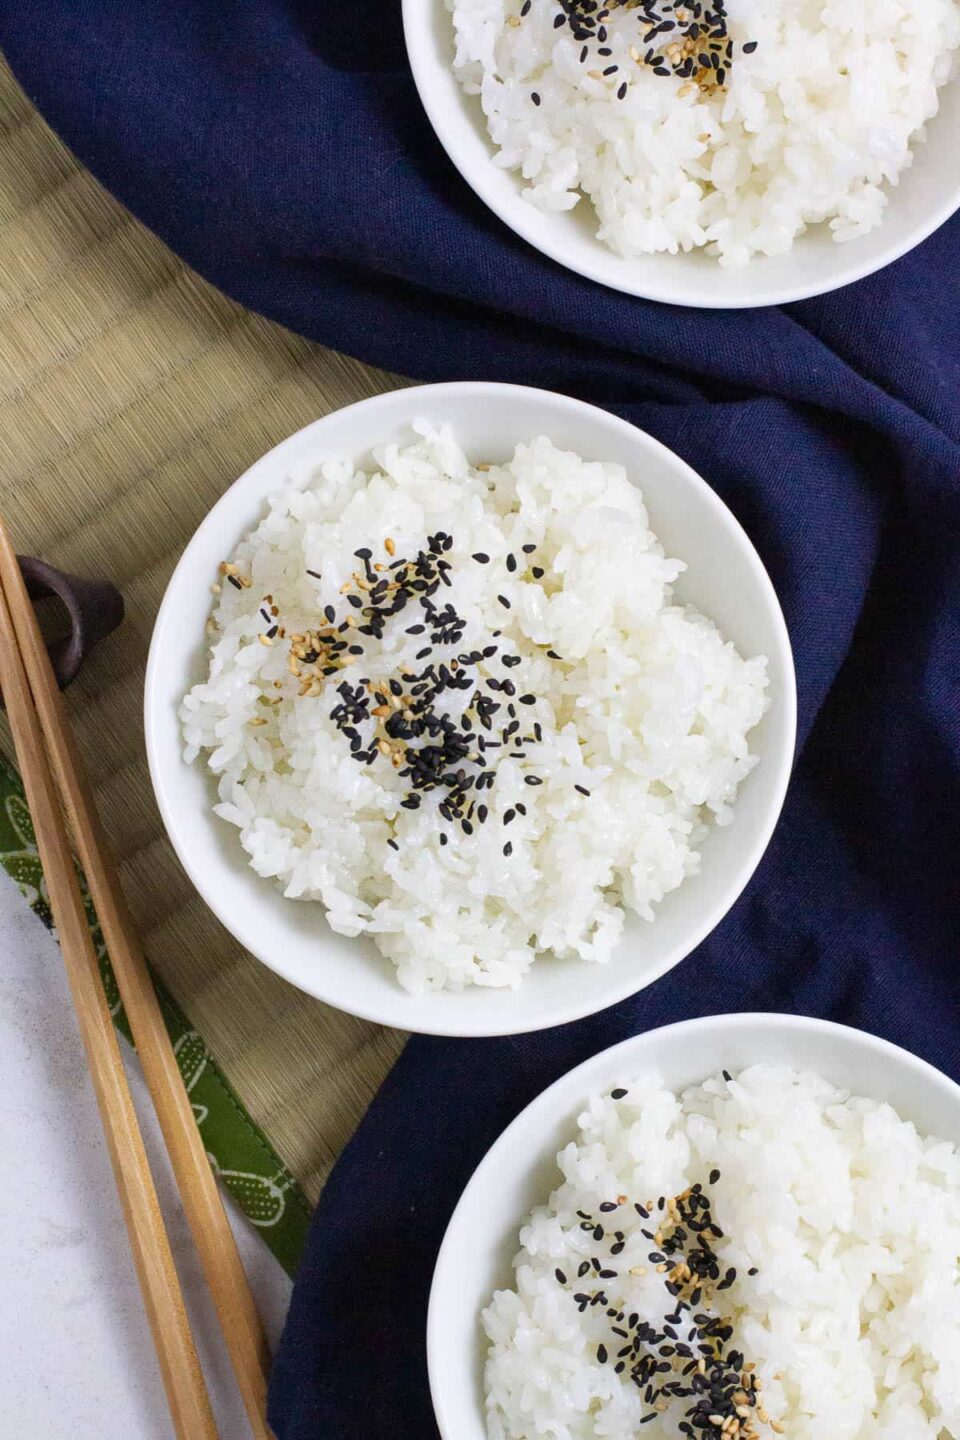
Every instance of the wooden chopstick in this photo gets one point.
(208, 1222)
(180, 1368)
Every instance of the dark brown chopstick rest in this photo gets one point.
(94, 609)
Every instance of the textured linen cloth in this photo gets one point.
(279, 147)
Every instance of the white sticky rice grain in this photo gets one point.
(648, 709)
(849, 1217)
(813, 126)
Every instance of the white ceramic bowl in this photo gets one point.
(725, 578)
(520, 1170)
(926, 196)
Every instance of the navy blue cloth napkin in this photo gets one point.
(278, 145)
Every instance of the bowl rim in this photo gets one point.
(684, 1032)
(178, 830)
(521, 217)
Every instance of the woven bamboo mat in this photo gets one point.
(131, 395)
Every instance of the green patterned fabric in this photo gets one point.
(240, 1154)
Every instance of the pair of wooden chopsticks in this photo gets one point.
(57, 790)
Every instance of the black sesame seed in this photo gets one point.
(504, 601)
(481, 559)
(508, 848)
(617, 1094)
(582, 788)
(750, 46)
(536, 572)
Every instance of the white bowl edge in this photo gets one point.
(519, 1169)
(207, 847)
(926, 195)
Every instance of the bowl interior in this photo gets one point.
(927, 194)
(520, 1170)
(725, 578)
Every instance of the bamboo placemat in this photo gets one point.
(131, 395)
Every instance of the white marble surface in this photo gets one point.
(79, 1363)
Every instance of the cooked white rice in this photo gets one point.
(648, 710)
(813, 126)
(850, 1218)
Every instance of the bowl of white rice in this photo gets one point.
(470, 709)
(746, 1226)
(716, 156)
